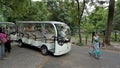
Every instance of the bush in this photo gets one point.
(79, 43)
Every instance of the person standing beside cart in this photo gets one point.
(6, 47)
(2, 47)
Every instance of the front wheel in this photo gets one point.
(20, 44)
(44, 50)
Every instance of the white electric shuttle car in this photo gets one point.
(49, 36)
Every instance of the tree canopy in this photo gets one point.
(13, 9)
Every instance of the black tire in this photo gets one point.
(44, 50)
(20, 44)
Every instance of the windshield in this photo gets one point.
(8, 28)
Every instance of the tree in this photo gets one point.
(64, 11)
(38, 11)
(109, 22)
(13, 9)
(80, 13)
(98, 18)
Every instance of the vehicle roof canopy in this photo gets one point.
(6, 23)
(35, 22)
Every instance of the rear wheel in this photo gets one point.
(44, 50)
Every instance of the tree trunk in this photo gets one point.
(115, 36)
(80, 13)
(109, 22)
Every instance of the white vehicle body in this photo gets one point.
(45, 35)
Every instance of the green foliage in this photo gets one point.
(13, 9)
(87, 27)
(80, 43)
(57, 10)
(19, 8)
(64, 11)
(38, 11)
(116, 23)
(98, 18)
(1, 18)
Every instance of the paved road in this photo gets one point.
(77, 58)
(23, 58)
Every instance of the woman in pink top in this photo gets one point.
(6, 43)
(3, 37)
